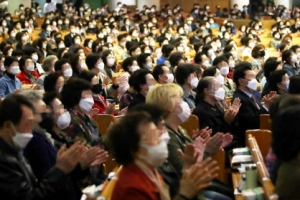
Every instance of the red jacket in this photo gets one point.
(134, 184)
(100, 103)
(24, 79)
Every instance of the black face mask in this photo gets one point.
(97, 88)
(47, 122)
(262, 53)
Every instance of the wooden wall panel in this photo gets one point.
(187, 5)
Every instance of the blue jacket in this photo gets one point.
(8, 85)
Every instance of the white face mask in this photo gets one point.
(21, 140)
(44, 46)
(15, 70)
(68, 72)
(134, 68)
(100, 66)
(82, 55)
(206, 63)
(185, 114)
(224, 70)
(231, 64)
(170, 78)
(63, 120)
(60, 46)
(77, 41)
(82, 66)
(211, 52)
(34, 57)
(220, 79)
(251, 45)
(252, 84)
(298, 55)
(86, 104)
(30, 67)
(156, 154)
(3, 68)
(220, 94)
(110, 61)
(234, 54)
(294, 58)
(194, 82)
(165, 137)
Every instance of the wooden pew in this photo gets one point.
(104, 121)
(263, 175)
(263, 138)
(191, 125)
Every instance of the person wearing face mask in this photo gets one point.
(201, 59)
(246, 49)
(78, 65)
(42, 149)
(139, 165)
(77, 98)
(145, 61)
(162, 74)
(120, 49)
(76, 43)
(186, 77)
(134, 35)
(63, 66)
(88, 46)
(99, 101)
(276, 39)
(279, 82)
(169, 97)
(251, 108)
(48, 67)
(142, 82)
(209, 110)
(221, 63)
(9, 83)
(258, 55)
(11, 36)
(96, 65)
(290, 62)
(17, 115)
(28, 74)
(110, 63)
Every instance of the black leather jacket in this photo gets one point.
(18, 182)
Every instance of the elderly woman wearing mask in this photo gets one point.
(137, 144)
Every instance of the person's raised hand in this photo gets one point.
(121, 79)
(214, 144)
(16, 91)
(227, 139)
(232, 110)
(197, 177)
(93, 112)
(199, 149)
(110, 108)
(269, 98)
(67, 159)
(189, 157)
(203, 133)
(93, 157)
(123, 111)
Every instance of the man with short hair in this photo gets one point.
(16, 178)
(162, 74)
(251, 108)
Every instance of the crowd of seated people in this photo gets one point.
(63, 65)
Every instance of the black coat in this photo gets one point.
(18, 182)
(68, 40)
(248, 115)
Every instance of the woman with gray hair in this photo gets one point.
(48, 67)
